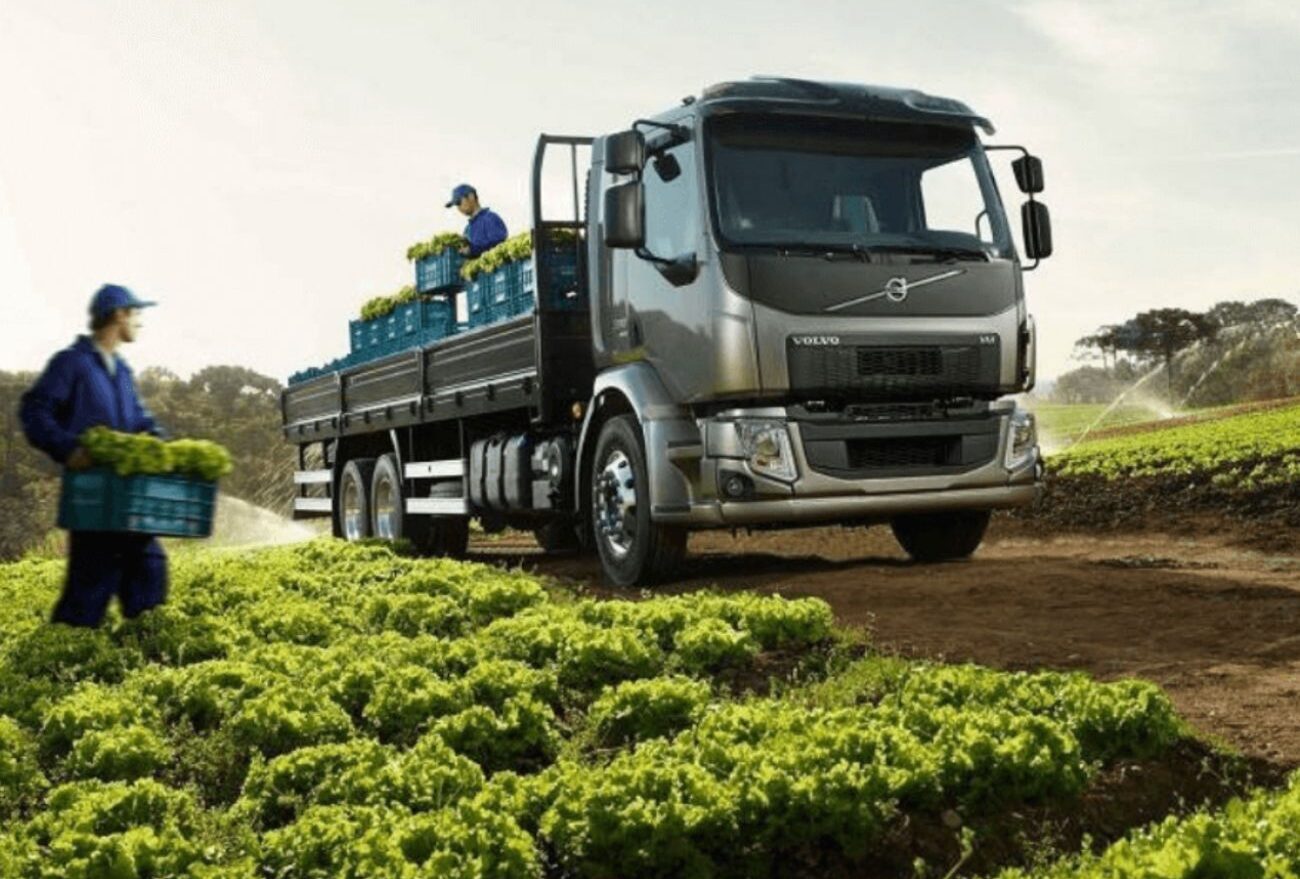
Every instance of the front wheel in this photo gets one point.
(941, 537)
(633, 549)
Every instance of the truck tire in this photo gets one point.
(558, 536)
(441, 536)
(388, 519)
(634, 550)
(352, 500)
(939, 537)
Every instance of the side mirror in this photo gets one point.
(625, 152)
(1037, 226)
(1029, 174)
(625, 215)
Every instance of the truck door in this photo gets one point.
(664, 323)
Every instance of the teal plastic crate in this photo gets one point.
(478, 300)
(409, 324)
(171, 506)
(564, 277)
(438, 273)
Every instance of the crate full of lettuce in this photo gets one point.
(143, 484)
(438, 262)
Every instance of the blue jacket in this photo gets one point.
(484, 230)
(76, 392)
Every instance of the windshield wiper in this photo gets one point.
(943, 254)
(859, 252)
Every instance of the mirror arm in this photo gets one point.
(650, 257)
(1024, 154)
(679, 270)
(680, 133)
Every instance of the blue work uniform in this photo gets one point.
(75, 392)
(484, 230)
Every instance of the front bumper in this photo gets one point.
(698, 459)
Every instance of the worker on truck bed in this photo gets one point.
(86, 385)
(485, 229)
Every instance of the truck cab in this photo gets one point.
(809, 297)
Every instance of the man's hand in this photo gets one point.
(79, 459)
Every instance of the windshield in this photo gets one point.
(854, 184)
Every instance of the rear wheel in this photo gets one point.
(352, 500)
(939, 537)
(388, 518)
(633, 549)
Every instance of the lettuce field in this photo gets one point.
(1241, 465)
(334, 709)
(1259, 448)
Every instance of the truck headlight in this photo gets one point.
(766, 445)
(1022, 439)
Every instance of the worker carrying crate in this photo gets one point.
(84, 386)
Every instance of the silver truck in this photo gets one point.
(798, 303)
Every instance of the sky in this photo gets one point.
(259, 168)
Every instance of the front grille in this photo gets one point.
(851, 448)
(903, 453)
(961, 366)
(900, 361)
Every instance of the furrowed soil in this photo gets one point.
(1200, 612)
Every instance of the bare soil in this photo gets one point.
(1200, 612)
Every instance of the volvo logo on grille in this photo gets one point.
(896, 289)
(815, 340)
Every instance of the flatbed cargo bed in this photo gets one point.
(489, 369)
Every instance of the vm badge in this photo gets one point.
(815, 340)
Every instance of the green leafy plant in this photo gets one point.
(382, 306)
(710, 645)
(436, 245)
(128, 454)
(636, 711)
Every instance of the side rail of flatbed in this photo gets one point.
(490, 369)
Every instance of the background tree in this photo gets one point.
(1234, 352)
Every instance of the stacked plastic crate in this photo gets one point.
(562, 264)
(511, 290)
(508, 291)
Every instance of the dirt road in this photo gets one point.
(1216, 625)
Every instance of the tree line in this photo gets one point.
(1233, 352)
(231, 405)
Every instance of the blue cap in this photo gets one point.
(460, 192)
(113, 296)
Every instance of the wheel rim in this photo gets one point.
(354, 513)
(614, 503)
(386, 502)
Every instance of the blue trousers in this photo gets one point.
(102, 564)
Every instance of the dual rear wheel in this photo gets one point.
(371, 504)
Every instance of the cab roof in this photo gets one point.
(881, 102)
